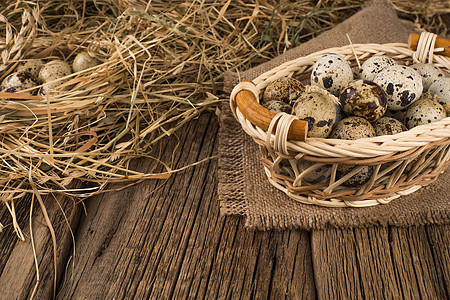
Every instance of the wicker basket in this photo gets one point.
(402, 163)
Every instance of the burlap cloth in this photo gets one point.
(243, 186)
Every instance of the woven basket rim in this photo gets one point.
(390, 155)
(362, 148)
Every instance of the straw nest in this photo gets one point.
(101, 117)
(161, 65)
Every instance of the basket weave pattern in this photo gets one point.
(402, 163)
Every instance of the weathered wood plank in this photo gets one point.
(174, 243)
(372, 252)
(17, 265)
(9, 238)
(335, 263)
(378, 263)
(413, 258)
(146, 231)
(105, 252)
(262, 265)
(188, 193)
(439, 239)
(293, 275)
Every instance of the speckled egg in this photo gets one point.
(278, 106)
(317, 175)
(403, 86)
(317, 107)
(363, 98)
(84, 61)
(424, 111)
(332, 73)
(358, 179)
(32, 66)
(18, 81)
(353, 128)
(441, 88)
(285, 89)
(51, 86)
(429, 74)
(54, 69)
(374, 65)
(339, 112)
(388, 126)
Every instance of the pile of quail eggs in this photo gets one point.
(49, 75)
(380, 98)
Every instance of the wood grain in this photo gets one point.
(414, 265)
(17, 265)
(335, 264)
(379, 263)
(140, 243)
(439, 239)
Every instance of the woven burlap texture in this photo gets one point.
(243, 186)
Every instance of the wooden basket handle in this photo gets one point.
(413, 41)
(261, 117)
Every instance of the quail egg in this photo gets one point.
(339, 112)
(424, 111)
(54, 69)
(441, 88)
(285, 89)
(403, 86)
(358, 179)
(278, 106)
(429, 74)
(374, 65)
(363, 98)
(317, 175)
(32, 66)
(51, 86)
(331, 72)
(84, 61)
(18, 81)
(317, 107)
(388, 126)
(353, 128)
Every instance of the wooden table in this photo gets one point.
(166, 240)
